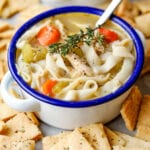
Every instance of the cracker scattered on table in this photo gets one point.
(147, 48)
(74, 141)
(128, 9)
(133, 142)
(143, 5)
(32, 11)
(6, 112)
(2, 126)
(14, 6)
(4, 43)
(2, 4)
(9, 143)
(50, 141)
(1, 99)
(144, 115)
(96, 136)
(21, 126)
(143, 23)
(2, 70)
(130, 108)
(33, 118)
(143, 125)
(118, 147)
(113, 138)
(7, 34)
(143, 132)
(4, 26)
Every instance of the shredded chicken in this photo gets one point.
(79, 65)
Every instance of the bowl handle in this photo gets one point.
(27, 104)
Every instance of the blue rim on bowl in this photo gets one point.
(136, 72)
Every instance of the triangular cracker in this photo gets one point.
(118, 147)
(114, 139)
(143, 5)
(33, 118)
(4, 25)
(96, 136)
(130, 108)
(74, 141)
(21, 126)
(6, 112)
(31, 11)
(14, 6)
(4, 43)
(133, 142)
(50, 141)
(144, 115)
(143, 125)
(143, 132)
(2, 126)
(9, 143)
(143, 23)
(7, 34)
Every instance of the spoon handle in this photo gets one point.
(107, 13)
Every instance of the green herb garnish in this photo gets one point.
(74, 41)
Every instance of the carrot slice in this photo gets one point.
(110, 36)
(48, 35)
(48, 86)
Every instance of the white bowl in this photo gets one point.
(64, 114)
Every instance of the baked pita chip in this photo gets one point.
(8, 143)
(7, 34)
(14, 6)
(50, 141)
(74, 141)
(127, 9)
(130, 108)
(2, 126)
(147, 48)
(6, 112)
(4, 43)
(1, 99)
(118, 147)
(22, 127)
(143, 5)
(4, 25)
(33, 118)
(144, 115)
(143, 132)
(133, 142)
(32, 11)
(2, 3)
(113, 138)
(2, 70)
(143, 23)
(143, 125)
(123, 7)
(96, 136)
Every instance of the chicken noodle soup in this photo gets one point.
(67, 58)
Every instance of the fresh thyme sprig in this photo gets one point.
(73, 41)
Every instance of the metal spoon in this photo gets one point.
(108, 12)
